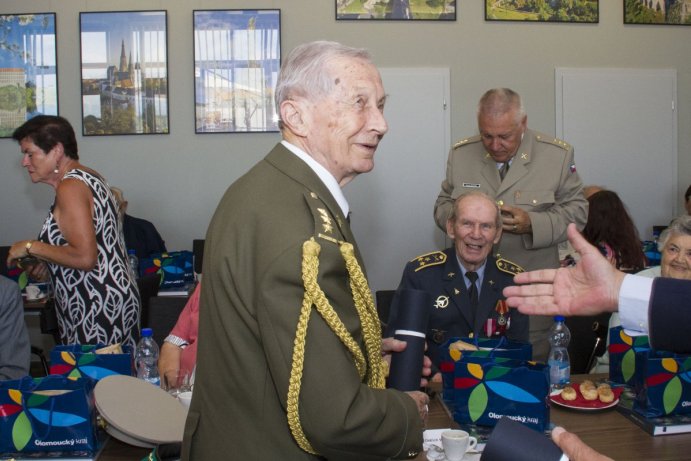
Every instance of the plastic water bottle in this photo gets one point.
(558, 359)
(146, 358)
(134, 263)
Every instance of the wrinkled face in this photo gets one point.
(676, 257)
(474, 231)
(345, 127)
(501, 134)
(38, 164)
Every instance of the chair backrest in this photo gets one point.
(588, 340)
(384, 298)
(163, 314)
(198, 254)
(148, 288)
(4, 252)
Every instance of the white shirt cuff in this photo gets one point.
(634, 299)
(177, 341)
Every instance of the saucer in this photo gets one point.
(437, 454)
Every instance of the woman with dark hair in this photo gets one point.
(80, 246)
(610, 228)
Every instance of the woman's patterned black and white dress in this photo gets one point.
(100, 305)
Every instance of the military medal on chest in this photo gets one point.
(502, 310)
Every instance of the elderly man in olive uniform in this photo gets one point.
(465, 281)
(290, 350)
(533, 178)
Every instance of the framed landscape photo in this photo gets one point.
(28, 69)
(124, 72)
(657, 12)
(580, 11)
(396, 10)
(237, 56)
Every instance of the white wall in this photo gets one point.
(176, 180)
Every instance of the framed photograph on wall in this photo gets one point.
(396, 10)
(124, 71)
(237, 56)
(579, 11)
(28, 69)
(657, 12)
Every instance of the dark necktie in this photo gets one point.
(503, 170)
(472, 290)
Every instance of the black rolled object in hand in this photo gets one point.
(512, 441)
(408, 322)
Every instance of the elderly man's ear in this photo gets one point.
(292, 116)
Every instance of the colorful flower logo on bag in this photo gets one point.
(22, 429)
(481, 382)
(628, 347)
(671, 377)
(75, 368)
(168, 266)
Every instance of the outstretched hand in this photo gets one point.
(590, 287)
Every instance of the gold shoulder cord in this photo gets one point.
(371, 330)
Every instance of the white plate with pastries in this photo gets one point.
(580, 402)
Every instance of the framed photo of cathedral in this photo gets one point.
(237, 56)
(28, 69)
(124, 72)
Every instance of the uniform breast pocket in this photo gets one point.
(535, 200)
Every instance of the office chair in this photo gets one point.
(37, 351)
(148, 286)
(588, 340)
(384, 298)
(163, 315)
(198, 254)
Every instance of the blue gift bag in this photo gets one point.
(52, 414)
(488, 347)
(174, 267)
(486, 389)
(77, 361)
(662, 383)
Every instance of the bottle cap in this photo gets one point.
(131, 251)
(559, 318)
(146, 332)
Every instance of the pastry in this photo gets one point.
(605, 394)
(589, 393)
(568, 393)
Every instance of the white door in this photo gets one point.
(623, 126)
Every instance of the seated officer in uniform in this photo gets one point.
(457, 310)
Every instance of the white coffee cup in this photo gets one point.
(32, 292)
(456, 443)
(185, 398)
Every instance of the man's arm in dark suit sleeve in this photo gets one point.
(669, 315)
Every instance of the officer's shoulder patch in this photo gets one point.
(466, 141)
(429, 259)
(509, 267)
(554, 141)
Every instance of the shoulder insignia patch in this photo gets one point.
(554, 141)
(465, 141)
(509, 267)
(430, 259)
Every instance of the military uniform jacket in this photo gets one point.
(542, 180)
(250, 303)
(450, 314)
